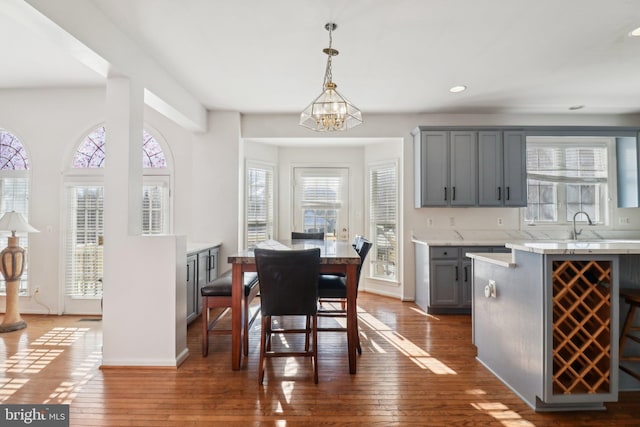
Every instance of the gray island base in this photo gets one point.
(546, 320)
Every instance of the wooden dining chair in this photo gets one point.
(288, 287)
(301, 235)
(332, 290)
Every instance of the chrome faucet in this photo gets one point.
(576, 233)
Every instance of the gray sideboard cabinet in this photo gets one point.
(446, 168)
(502, 169)
(202, 269)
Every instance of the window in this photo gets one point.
(85, 204)
(383, 199)
(85, 207)
(259, 204)
(14, 192)
(321, 200)
(566, 177)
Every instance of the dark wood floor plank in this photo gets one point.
(415, 370)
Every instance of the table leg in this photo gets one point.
(352, 315)
(236, 315)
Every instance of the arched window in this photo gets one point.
(14, 190)
(85, 208)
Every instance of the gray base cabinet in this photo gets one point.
(202, 269)
(444, 277)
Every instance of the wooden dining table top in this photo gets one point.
(331, 251)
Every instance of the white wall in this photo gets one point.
(207, 169)
(51, 123)
(414, 221)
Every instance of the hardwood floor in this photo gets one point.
(415, 370)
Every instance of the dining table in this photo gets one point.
(336, 256)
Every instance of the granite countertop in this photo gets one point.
(578, 247)
(501, 259)
(193, 247)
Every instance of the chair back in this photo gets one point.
(362, 247)
(288, 281)
(300, 235)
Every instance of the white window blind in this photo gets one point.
(84, 250)
(383, 216)
(565, 178)
(155, 208)
(320, 199)
(14, 196)
(259, 204)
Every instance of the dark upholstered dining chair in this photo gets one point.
(288, 287)
(218, 295)
(332, 289)
(300, 235)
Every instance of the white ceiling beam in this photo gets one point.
(89, 36)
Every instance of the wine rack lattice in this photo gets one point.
(581, 327)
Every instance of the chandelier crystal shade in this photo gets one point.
(330, 111)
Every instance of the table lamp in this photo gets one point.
(12, 262)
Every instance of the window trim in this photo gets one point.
(257, 164)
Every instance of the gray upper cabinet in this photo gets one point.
(446, 168)
(432, 168)
(490, 169)
(464, 172)
(502, 168)
(515, 168)
(470, 167)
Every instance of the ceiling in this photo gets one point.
(401, 56)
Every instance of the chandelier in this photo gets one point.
(330, 111)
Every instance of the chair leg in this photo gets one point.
(307, 333)
(205, 328)
(266, 321)
(315, 349)
(245, 330)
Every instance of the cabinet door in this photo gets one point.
(464, 172)
(490, 167)
(192, 278)
(203, 277)
(515, 169)
(212, 265)
(465, 283)
(444, 283)
(434, 168)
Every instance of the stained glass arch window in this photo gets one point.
(12, 153)
(91, 152)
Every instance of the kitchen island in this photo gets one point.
(546, 320)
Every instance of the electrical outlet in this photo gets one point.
(36, 291)
(500, 222)
(623, 220)
(430, 222)
(452, 221)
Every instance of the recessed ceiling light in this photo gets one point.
(459, 88)
(576, 107)
(635, 33)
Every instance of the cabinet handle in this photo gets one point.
(466, 278)
(499, 193)
(188, 272)
(508, 195)
(454, 194)
(445, 193)
(212, 262)
(456, 273)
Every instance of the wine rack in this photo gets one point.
(581, 327)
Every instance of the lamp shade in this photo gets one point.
(14, 221)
